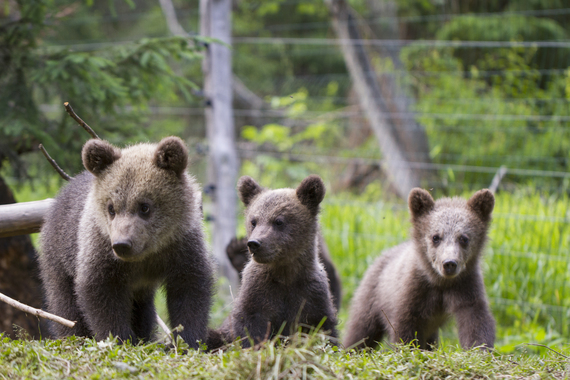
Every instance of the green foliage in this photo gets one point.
(130, 75)
(283, 63)
(484, 113)
(278, 140)
(504, 28)
(109, 88)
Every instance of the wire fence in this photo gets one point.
(481, 111)
(483, 104)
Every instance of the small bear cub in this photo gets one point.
(116, 232)
(239, 255)
(411, 289)
(284, 283)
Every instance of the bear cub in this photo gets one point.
(411, 289)
(284, 283)
(116, 232)
(239, 256)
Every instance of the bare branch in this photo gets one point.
(247, 96)
(542, 345)
(163, 325)
(171, 20)
(498, 178)
(165, 328)
(37, 312)
(78, 119)
(395, 333)
(54, 164)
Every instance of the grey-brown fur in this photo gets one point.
(239, 256)
(411, 289)
(117, 232)
(285, 282)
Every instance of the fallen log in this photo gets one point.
(23, 218)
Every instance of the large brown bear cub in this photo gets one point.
(119, 230)
(409, 291)
(285, 282)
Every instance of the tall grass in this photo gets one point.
(302, 357)
(526, 263)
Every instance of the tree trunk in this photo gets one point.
(18, 279)
(383, 99)
(410, 135)
(215, 22)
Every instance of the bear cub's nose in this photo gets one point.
(122, 248)
(253, 244)
(449, 267)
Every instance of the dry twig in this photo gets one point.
(54, 164)
(38, 312)
(542, 345)
(395, 333)
(165, 328)
(78, 119)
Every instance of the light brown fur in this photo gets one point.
(411, 289)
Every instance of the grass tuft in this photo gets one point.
(302, 356)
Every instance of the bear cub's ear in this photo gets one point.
(97, 155)
(420, 202)
(248, 189)
(482, 203)
(311, 193)
(171, 154)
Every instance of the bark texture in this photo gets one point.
(18, 279)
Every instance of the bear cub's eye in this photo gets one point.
(145, 208)
(436, 239)
(111, 210)
(278, 222)
(463, 240)
(254, 222)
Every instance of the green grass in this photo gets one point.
(526, 264)
(302, 357)
(526, 269)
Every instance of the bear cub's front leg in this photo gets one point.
(117, 232)
(415, 286)
(284, 283)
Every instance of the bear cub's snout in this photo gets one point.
(450, 268)
(122, 248)
(253, 245)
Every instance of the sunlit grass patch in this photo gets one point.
(302, 356)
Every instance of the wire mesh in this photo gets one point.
(483, 104)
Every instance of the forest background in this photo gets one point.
(489, 82)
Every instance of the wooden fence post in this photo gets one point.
(215, 22)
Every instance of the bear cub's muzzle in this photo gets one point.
(123, 249)
(450, 268)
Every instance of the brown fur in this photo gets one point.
(129, 224)
(411, 289)
(284, 283)
(239, 256)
